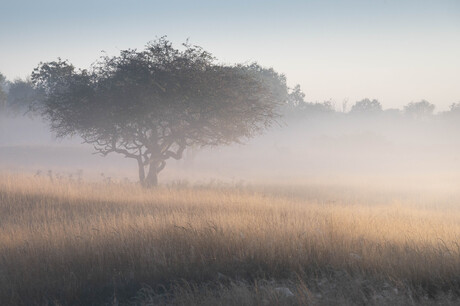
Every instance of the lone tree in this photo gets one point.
(150, 105)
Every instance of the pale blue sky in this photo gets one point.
(394, 51)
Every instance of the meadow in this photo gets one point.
(64, 242)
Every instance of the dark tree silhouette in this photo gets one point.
(150, 105)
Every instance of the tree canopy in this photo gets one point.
(420, 109)
(150, 105)
(3, 95)
(366, 106)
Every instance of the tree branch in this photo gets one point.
(176, 155)
(161, 166)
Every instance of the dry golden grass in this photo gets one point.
(91, 243)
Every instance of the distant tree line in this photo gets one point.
(298, 108)
(17, 97)
(20, 96)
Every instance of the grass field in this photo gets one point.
(69, 243)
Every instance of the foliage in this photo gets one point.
(151, 104)
(22, 97)
(296, 106)
(296, 97)
(366, 106)
(3, 94)
(420, 109)
(455, 108)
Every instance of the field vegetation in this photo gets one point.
(81, 243)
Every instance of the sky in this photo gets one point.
(396, 51)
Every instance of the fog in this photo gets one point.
(327, 146)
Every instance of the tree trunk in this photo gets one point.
(141, 172)
(152, 177)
